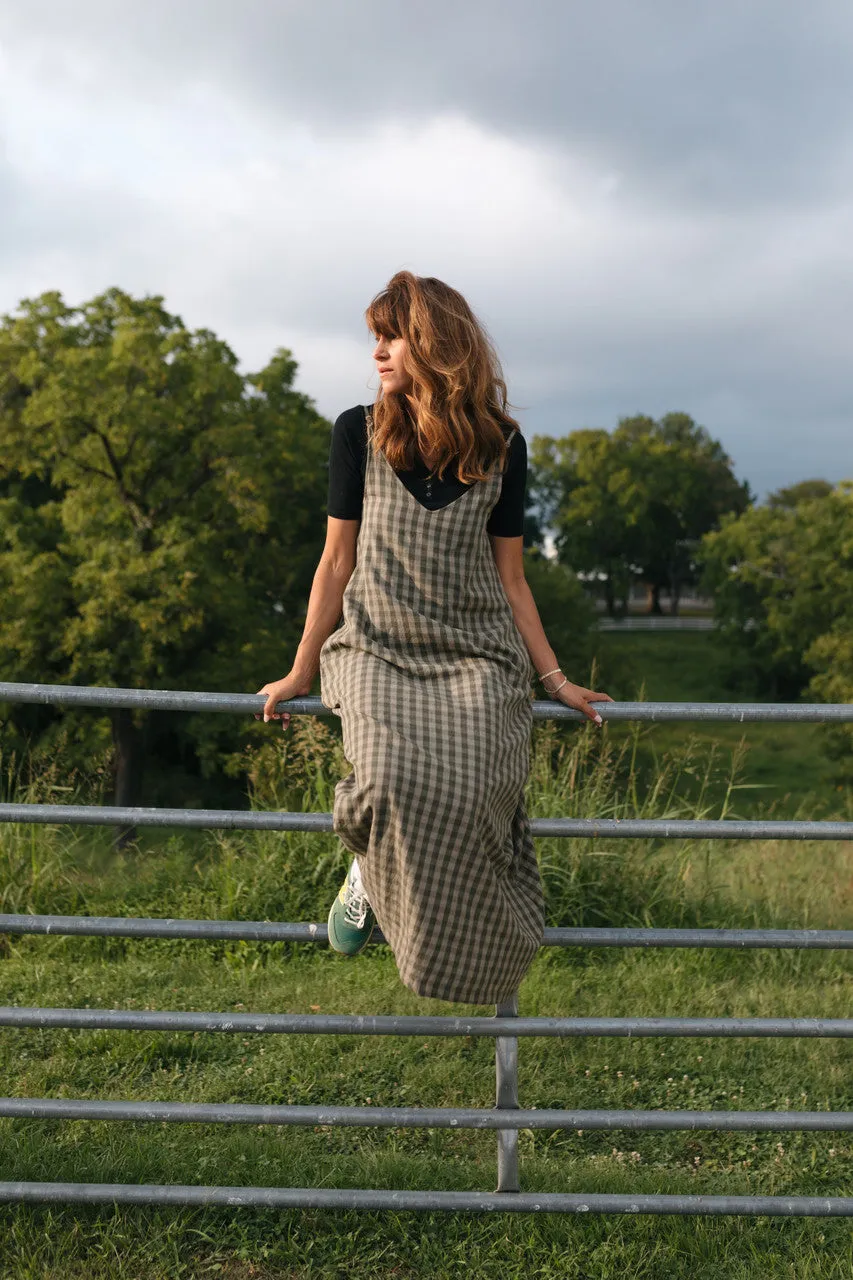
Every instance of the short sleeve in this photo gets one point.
(346, 469)
(506, 519)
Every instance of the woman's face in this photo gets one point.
(390, 356)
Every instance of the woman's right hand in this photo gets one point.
(290, 686)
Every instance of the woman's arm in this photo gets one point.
(508, 553)
(335, 568)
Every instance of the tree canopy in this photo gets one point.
(158, 509)
(634, 503)
(782, 579)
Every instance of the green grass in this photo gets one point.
(675, 666)
(784, 765)
(318, 1070)
(292, 876)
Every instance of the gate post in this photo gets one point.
(506, 1073)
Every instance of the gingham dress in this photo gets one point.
(431, 679)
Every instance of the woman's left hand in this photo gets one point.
(576, 696)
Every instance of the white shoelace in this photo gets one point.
(356, 905)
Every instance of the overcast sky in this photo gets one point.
(649, 203)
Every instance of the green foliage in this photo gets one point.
(782, 579)
(158, 511)
(635, 502)
(566, 613)
(577, 481)
(792, 495)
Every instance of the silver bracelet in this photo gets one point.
(550, 673)
(559, 686)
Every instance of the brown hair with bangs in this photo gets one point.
(460, 399)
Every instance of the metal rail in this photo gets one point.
(70, 695)
(502, 1118)
(507, 1118)
(272, 931)
(365, 1024)
(248, 820)
(424, 1201)
(506, 1097)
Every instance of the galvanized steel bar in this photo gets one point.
(200, 819)
(248, 703)
(690, 829)
(72, 695)
(500, 1119)
(141, 927)
(703, 712)
(275, 931)
(578, 828)
(747, 939)
(424, 1201)
(506, 1027)
(346, 1024)
(506, 1098)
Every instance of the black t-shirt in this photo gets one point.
(347, 457)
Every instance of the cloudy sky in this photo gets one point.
(649, 203)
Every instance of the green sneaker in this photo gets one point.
(351, 919)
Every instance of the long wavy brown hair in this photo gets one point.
(460, 400)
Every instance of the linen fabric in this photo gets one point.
(431, 680)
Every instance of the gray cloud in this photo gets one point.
(731, 102)
(649, 204)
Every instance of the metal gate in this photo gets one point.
(506, 1027)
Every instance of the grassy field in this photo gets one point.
(578, 772)
(784, 769)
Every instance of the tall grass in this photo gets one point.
(37, 862)
(574, 772)
(626, 882)
(577, 772)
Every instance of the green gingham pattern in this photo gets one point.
(431, 679)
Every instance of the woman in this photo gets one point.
(430, 671)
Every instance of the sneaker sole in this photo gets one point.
(346, 952)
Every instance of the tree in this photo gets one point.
(794, 494)
(683, 484)
(577, 481)
(635, 503)
(158, 511)
(782, 577)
